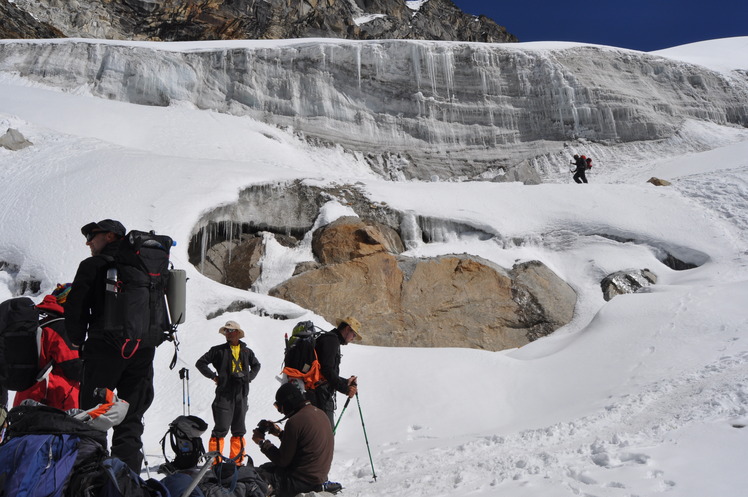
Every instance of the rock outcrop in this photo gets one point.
(446, 301)
(658, 181)
(348, 238)
(183, 20)
(19, 24)
(14, 140)
(622, 282)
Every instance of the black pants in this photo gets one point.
(229, 411)
(283, 482)
(579, 177)
(104, 366)
(323, 398)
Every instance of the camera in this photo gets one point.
(263, 427)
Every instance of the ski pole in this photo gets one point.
(184, 396)
(145, 458)
(184, 374)
(341, 415)
(188, 390)
(366, 437)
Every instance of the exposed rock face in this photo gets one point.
(348, 238)
(181, 20)
(447, 301)
(546, 302)
(244, 267)
(19, 24)
(238, 262)
(14, 140)
(622, 282)
(413, 110)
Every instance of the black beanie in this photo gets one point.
(289, 398)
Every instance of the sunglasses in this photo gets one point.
(93, 235)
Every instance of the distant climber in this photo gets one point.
(581, 166)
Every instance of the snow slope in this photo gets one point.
(644, 395)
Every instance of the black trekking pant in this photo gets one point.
(579, 177)
(283, 482)
(229, 410)
(132, 379)
(323, 398)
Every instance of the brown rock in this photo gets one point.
(243, 268)
(350, 237)
(658, 181)
(448, 301)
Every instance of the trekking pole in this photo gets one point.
(184, 374)
(188, 392)
(145, 458)
(341, 415)
(184, 397)
(365, 437)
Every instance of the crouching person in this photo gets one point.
(302, 462)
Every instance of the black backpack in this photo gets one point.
(300, 360)
(229, 480)
(135, 307)
(21, 340)
(184, 436)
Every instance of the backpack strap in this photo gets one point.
(124, 346)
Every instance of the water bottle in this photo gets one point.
(111, 280)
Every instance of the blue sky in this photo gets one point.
(637, 24)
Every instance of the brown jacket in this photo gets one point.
(306, 448)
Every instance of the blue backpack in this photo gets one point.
(45, 450)
(38, 465)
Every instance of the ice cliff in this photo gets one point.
(412, 109)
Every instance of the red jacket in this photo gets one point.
(61, 387)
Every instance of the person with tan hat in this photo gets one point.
(234, 368)
(328, 353)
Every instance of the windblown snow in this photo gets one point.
(646, 394)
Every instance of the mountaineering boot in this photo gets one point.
(215, 444)
(237, 450)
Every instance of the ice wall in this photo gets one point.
(417, 109)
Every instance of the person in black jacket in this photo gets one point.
(103, 363)
(234, 367)
(328, 354)
(579, 172)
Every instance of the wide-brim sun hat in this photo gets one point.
(354, 324)
(231, 325)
